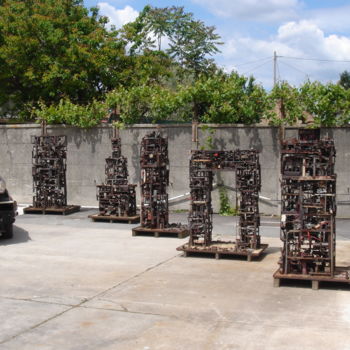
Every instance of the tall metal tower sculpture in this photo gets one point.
(248, 182)
(49, 157)
(154, 164)
(117, 198)
(308, 210)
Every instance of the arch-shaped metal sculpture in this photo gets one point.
(248, 183)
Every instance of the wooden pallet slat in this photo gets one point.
(159, 232)
(69, 209)
(342, 275)
(222, 249)
(114, 218)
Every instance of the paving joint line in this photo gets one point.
(131, 278)
(86, 300)
(37, 301)
(125, 310)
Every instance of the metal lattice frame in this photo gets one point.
(116, 197)
(49, 171)
(308, 205)
(154, 181)
(248, 183)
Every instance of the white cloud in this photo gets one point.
(294, 39)
(118, 17)
(256, 10)
(331, 19)
(307, 37)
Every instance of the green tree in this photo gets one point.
(144, 103)
(54, 49)
(224, 98)
(190, 41)
(329, 104)
(220, 98)
(345, 80)
(288, 104)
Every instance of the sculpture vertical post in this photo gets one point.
(49, 156)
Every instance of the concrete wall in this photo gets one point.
(87, 150)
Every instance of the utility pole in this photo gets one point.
(274, 68)
(280, 102)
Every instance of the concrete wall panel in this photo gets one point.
(87, 150)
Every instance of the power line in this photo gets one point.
(255, 68)
(297, 69)
(313, 59)
(255, 61)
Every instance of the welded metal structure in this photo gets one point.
(154, 164)
(49, 156)
(308, 211)
(248, 182)
(308, 191)
(49, 171)
(116, 197)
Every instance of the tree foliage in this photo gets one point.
(70, 113)
(287, 103)
(190, 41)
(53, 49)
(143, 103)
(328, 104)
(345, 79)
(60, 62)
(226, 98)
(221, 98)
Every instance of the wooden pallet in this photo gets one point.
(160, 232)
(113, 218)
(69, 209)
(341, 275)
(222, 249)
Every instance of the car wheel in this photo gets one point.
(8, 234)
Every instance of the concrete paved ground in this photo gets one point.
(68, 283)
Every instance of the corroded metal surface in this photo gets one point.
(308, 209)
(116, 197)
(49, 171)
(248, 182)
(154, 164)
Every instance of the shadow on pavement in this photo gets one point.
(19, 236)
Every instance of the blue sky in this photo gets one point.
(253, 29)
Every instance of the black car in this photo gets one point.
(8, 212)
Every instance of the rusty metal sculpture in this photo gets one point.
(154, 164)
(248, 183)
(117, 198)
(49, 171)
(49, 157)
(308, 210)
